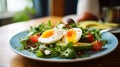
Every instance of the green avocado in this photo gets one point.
(61, 43)
(95, 24)
(82, 46)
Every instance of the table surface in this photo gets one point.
(10, 59)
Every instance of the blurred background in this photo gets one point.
(22, 10)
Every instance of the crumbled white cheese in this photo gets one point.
(32, 48)
(47, 52)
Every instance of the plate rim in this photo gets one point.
(63, 60)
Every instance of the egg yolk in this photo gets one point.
(47, 33)
(71, 34)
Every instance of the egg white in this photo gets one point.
(58, 34)
(78, 32)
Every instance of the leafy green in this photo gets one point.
(40, 28)
(54, 52)
(39, 53)
(32, 31)
(23, 42)
(60, 48)
(72, 25)
(69, 53)
(69, 45)
(94, 32)
(104, 42)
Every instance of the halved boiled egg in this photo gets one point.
(72, 35)
(51, 36)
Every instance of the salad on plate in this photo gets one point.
(67, 41)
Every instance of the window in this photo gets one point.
(17, 5)
(3, 6)
(12, 6)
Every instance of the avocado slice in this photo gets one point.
(111, 24)
(98, 25)
(61, 43)
(77, 46)
(82, 46)
(87, 24)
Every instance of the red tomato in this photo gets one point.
(97, 45)
(33, 39)
(90, 37)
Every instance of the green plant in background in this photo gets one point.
(24, 15)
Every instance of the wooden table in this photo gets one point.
(10, 59)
